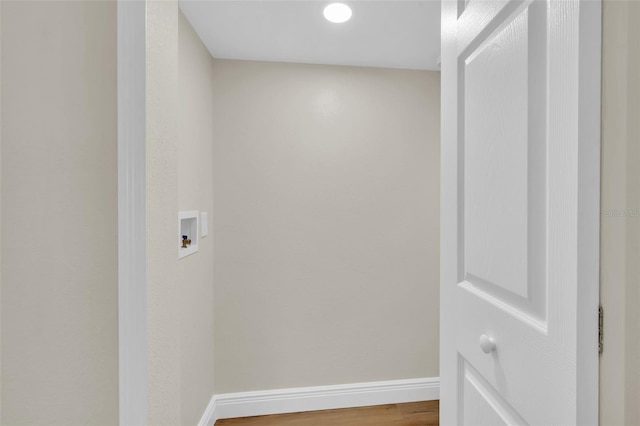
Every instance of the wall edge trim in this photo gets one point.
(132, 221)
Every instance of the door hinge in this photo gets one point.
(600, 329)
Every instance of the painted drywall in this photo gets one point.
(195, 189)
(326, 225)
(386, 34)
(163, 284)
(620, 216)
(59, 214)
(0, 213)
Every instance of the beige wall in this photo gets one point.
(0, 214)
(179, 177)
(326, 188)
(620, 224)
(195, 189)
(59, 218)
(163, 283)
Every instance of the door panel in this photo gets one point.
(495, 160)
(483, 405)
(517, 258)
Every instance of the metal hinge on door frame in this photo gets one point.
(600, 329)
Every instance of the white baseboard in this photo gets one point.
(280, 401)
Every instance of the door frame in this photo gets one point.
(132, 220)
(589, 84)
(132, 286)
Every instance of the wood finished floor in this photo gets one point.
(411, 414)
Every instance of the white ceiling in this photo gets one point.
(381, 33)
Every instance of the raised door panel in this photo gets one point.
(503, 142)
(483, 404)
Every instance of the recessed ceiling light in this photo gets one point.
(337, 12)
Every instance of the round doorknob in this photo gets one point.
(487, 344)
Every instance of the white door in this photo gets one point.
(520, 220)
